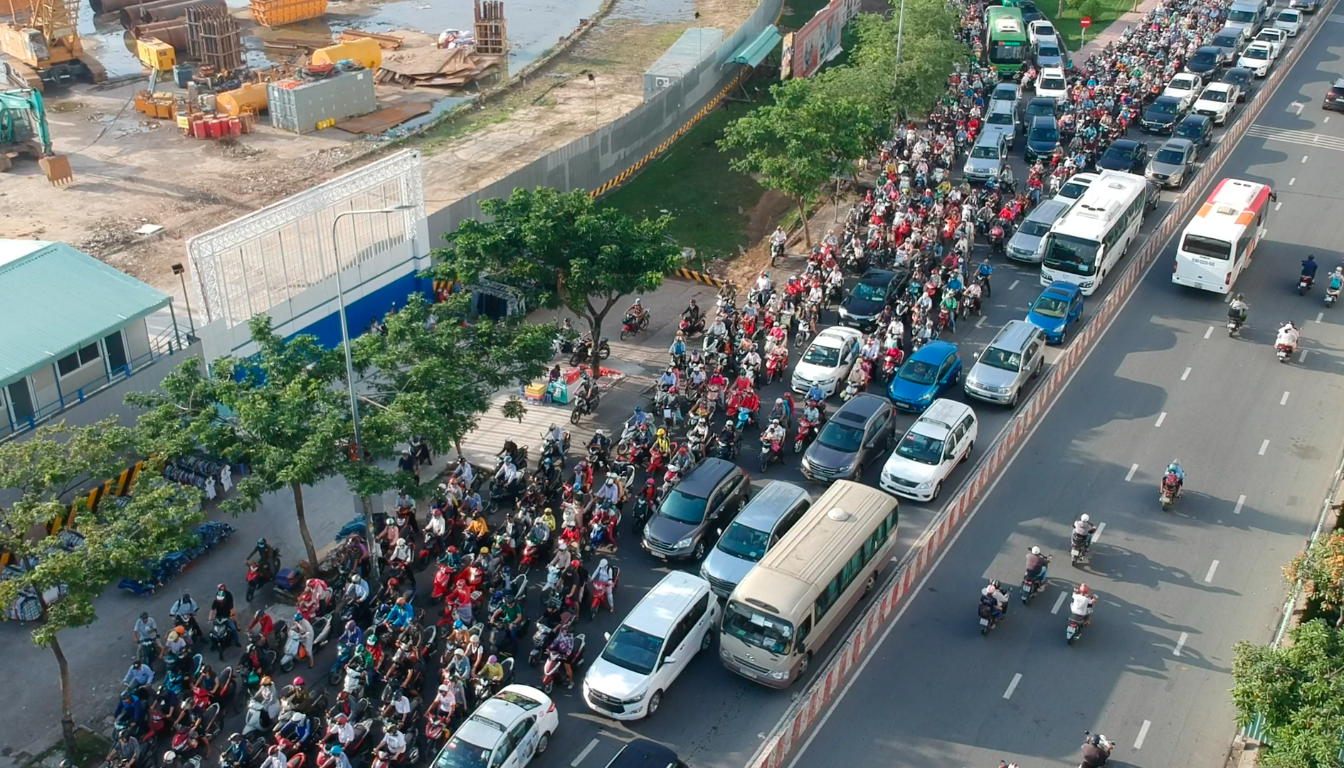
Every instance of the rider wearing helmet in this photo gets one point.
(1037, 565)
(1082, 603)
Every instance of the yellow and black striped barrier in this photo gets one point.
(120, 486)
(699, 277)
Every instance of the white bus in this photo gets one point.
(1084, 244)
(1217, 243)
(785, 608)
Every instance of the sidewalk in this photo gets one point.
(1113, 31)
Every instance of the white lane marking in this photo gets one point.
(1284, 400)
(1060, 602)
(1292, 181)
(1264, 447)
(1208, 577)
(1302, 357)
(1130, 476)
(1181, 643)
(1278, 205)
(1296, 107)
(1008, 694)
(1301, 138)
(1100, 527)
(1240, 501)
(1014, 285)
(1209, 332)
(981, 322)
(1304, 159)
(1320, 316)
(584, 753)
(1143, 734)
(1161, 417)
(1185, 375)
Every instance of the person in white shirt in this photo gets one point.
(304, 632)
(1081, 605)
(341, 731)
(393, 744)
(436, 526)
(358, 589)
(464, 472)
(999, 597)
(1288, 336)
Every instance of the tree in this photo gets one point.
(561, 250)
(1297, 689)
(929, 51)
(117, 538)
(432, 377)
(1321, 569)
(281, 412)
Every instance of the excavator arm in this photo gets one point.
(26, 105)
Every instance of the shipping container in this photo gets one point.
(274, 13)
(365, 52)
(299, 105)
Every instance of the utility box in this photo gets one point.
(299, 106)
(155, 54)
(695, 45)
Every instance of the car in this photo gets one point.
(1025, 244)
(642, 753)
(761, 523)
(1059, 306)
(700, 504)
(1245, 15)
(1196, 128)
(1217, 101)
(1075, 187)
(1040, 106)
(827, 360)
(1334, 97)
(1240, 77)
(875, 288)
(1186, 87)
(1229, 40)
(506, 730)
(861, 431)
(925, 376)
(1305, 6)
(1162, 115)
(1006, 92)
(1050, 53)
(1206, 60)
(1029, 11)
(1042, 138)
(937, 443)
(1277, 38)
(1174, 163)
(987, 157)
(1000, 119)
(1258, 57)
(1014, 357)
(1041, 30)
(1289, 20)
(652, 647)
(1052, 82)
(1125, 155)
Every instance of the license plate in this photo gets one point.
(1075, 552)
(1071, 631)
(748, 673)
(667, 413)
(984, 622)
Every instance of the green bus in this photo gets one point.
(1007, 48)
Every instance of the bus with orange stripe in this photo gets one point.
(1218, 242)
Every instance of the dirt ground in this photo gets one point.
(131, 170)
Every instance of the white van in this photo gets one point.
(651, 647)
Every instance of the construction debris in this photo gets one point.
(381, 121)
(492, 36)
(274, 13)
(438, 67)
(386, 42)
(214, 38)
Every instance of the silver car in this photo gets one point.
(1173, 164)
(1002, 120)
(1001, 372)
(760, 525)
(987, 158)
(1026, 241)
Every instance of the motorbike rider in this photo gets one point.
(1037, 566)
(1237, 310)
(146, 629)
(1287, 337)
(275, 758)
(661, 442)
(237, 752)
(763, 286)
(574, 580)
(1094, 754)
(393, 745)
(587, 392)
(399, 615)
(1083, 529)
(1082, 603)
(774, 434)
(1309, 266)
(510, 617)
(727, 437)
(334, 758)
(399, 709)
(297, 728)
(777, 241)
(695, 319)
(681, 461)
(184, 613)
(635, 313)
(492, 672)
(996, 598)
(265, 555)
(601, 446)
(1336, 280)
(563, 645)
(269, 700)
(138, 675)
(1175, 472)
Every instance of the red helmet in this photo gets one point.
(1083, 589)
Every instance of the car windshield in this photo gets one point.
(1073, 190)
(1049, 306)
(633, 650)
(518, 700)
(826, 357)
(1257, 53)
(683, 507)
(1074, 255)
(1182, 84)
(1204, 58)
(1337, 91)
(1170, 156)
(753, 627)
(1123, 154)
(869, 292)
(744, 541)
(1270, 36)
(1044, 133)
(1048, 51)
(1164, 107)
(985, 151)
(1001, 359)
(1000, 118)
(921, 448)
(1188, 131)
(919, 372)
(1226, 41)
(1004, 92)
(1034, 228)
(1215, 94)
(1241, 17)
(1237, 76)
(840, 437)
(1052, 83)
(1291, 17)
(461, 754)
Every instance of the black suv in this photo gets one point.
(1125, 155)
(863, 430)
(1334, 98)
(706, 499)
(642, 753)
(864, 303)
(1162, 115)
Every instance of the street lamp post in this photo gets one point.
(181, 273)
(365, 503)
(900, 32)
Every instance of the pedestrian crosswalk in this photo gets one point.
(1303, 138)
(1335, 17)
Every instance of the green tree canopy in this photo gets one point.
(561, 250)
(1321, 569)
(1298, 690)
(118, 537)
(929, 51)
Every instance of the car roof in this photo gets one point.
(1001, 105)
(1241, 72)
(934, 352)
(940, 417)
(1183, 76)
(836, 336)
(862, 406)
(1048, 210)
(1061, 287)
(1124, 144)
(1052, 71)
(1202, 120)
(665, 603)
(771, 501)
(642, 753)
(877, 276)
(700, 481)
(505, 712)
(1228, 29)
(1176, 143)
(1338, 83)
(1043, 120)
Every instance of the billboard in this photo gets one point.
(786, 57)
(819, 39)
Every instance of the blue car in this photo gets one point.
(926, 376)
(1059, 306)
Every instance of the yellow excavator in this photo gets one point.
(44, 45)
(24, 131)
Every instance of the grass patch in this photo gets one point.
(90, 749)
(799, 12)
(1104, 13)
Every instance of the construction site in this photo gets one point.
(194, 112)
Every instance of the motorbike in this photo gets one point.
(1079, 547)
(1167, 493)
(148, 651)
(252, 722)
(851, 389)
(804, 436)
(1075, 628)
(1233, 326)
(987, 620)
(1030, 587)
(1303, 284)
(599, 591)
(258, 578)
(774, 367)
(583, 352)
(996, 238)
(771, 452)
(220, 637)
(1105, 744)
(631, 326)
(1284, 351)
(382, 759)
(1331, 296)
(582, 407)
(554, 669)
(294, 650)
(776, 251)
(692, 328)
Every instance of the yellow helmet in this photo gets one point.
(662, 432)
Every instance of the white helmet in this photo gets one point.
(1085, 518)
(1035, 550)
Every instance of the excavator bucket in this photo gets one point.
(57, 169)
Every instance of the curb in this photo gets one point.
(811, 704)
(698, 277)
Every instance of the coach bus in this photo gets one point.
(1007, 49)
(1084, 244)
(1217, 243)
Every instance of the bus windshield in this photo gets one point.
(762, 630)
(1207, 247)
(1074, 255)
(1011, 52)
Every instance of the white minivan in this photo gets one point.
(651, 647)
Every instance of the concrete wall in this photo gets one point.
(136, 338)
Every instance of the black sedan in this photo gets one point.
(875, 289)
(1207, 58)
(1162, 115)
(1125, 155)
(1196, 128)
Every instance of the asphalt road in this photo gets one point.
(1259, 441)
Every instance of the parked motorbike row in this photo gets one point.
(208, 535)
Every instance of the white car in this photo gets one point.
(1040, 30)
(1185, 87)
(1289, 21)
(827, 360)
(674, 621)
(1075, 187)
(1276, 38)
(1217, 101)
(506, 731)
(939, 440)
(1052, 82)
(1258, 57)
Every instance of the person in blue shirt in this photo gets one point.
(1337, 279)
(1174, 468)
(985, 272)
(352, 636)
(815, 392)
(138, 676)
(399, 615)
(1309, 267)
(640, 418)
